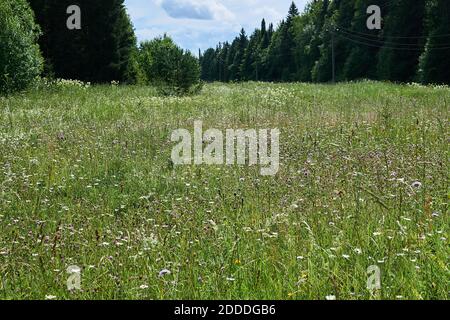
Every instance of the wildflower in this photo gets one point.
(213, 225)
(144, 286)
(164, 272)
(330, 297)
(237, 262)
(50, 297)
(416, 185)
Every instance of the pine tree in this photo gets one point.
(100, 52)
(251, 60)
(274, 59)
(339, 15)
(435, 61)
(307, 34)
(265, 36)
(223, 64)
(238, 51)
(281, 51)
(398, 59)
(287, 45)
(208, 65)
(360, 62)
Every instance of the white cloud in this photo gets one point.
(196, 9)
(195, 24)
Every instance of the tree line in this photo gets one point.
(330, 41)
(36, 41)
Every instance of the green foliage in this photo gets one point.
(300, 48)
(20, 58)
(435, 62)
(168, 67)
(404, 24)
(102, 51)
(239, 45)
(251, 60)
(339, 15)
(360, 62)
(307, 30)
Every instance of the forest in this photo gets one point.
(329, 41)
(413, 45)
(37, 42)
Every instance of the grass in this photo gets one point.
(86, 180)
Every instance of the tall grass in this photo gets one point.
(86, 179)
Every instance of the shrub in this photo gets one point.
(20, 58)
(171, 69)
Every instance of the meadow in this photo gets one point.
(86, 180)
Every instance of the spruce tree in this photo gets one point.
(237, 55)
(101, 51)
(251, 60)
(435, 61)
(363, 53)
(403, 41)
(340, 15)
(281, 51)
(208, 65)
(307, 31)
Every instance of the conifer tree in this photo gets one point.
(403, 41)
(435, 61)
(237, 55)
(360, 62)
(101, 51)
(340, 14)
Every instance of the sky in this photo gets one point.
(201, 24)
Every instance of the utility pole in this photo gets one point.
(220, 68)
(332, 54)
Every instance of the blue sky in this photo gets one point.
(200, 24)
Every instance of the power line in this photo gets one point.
(389, 3)
(389, 43)
(395, 37)
(391, 47)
